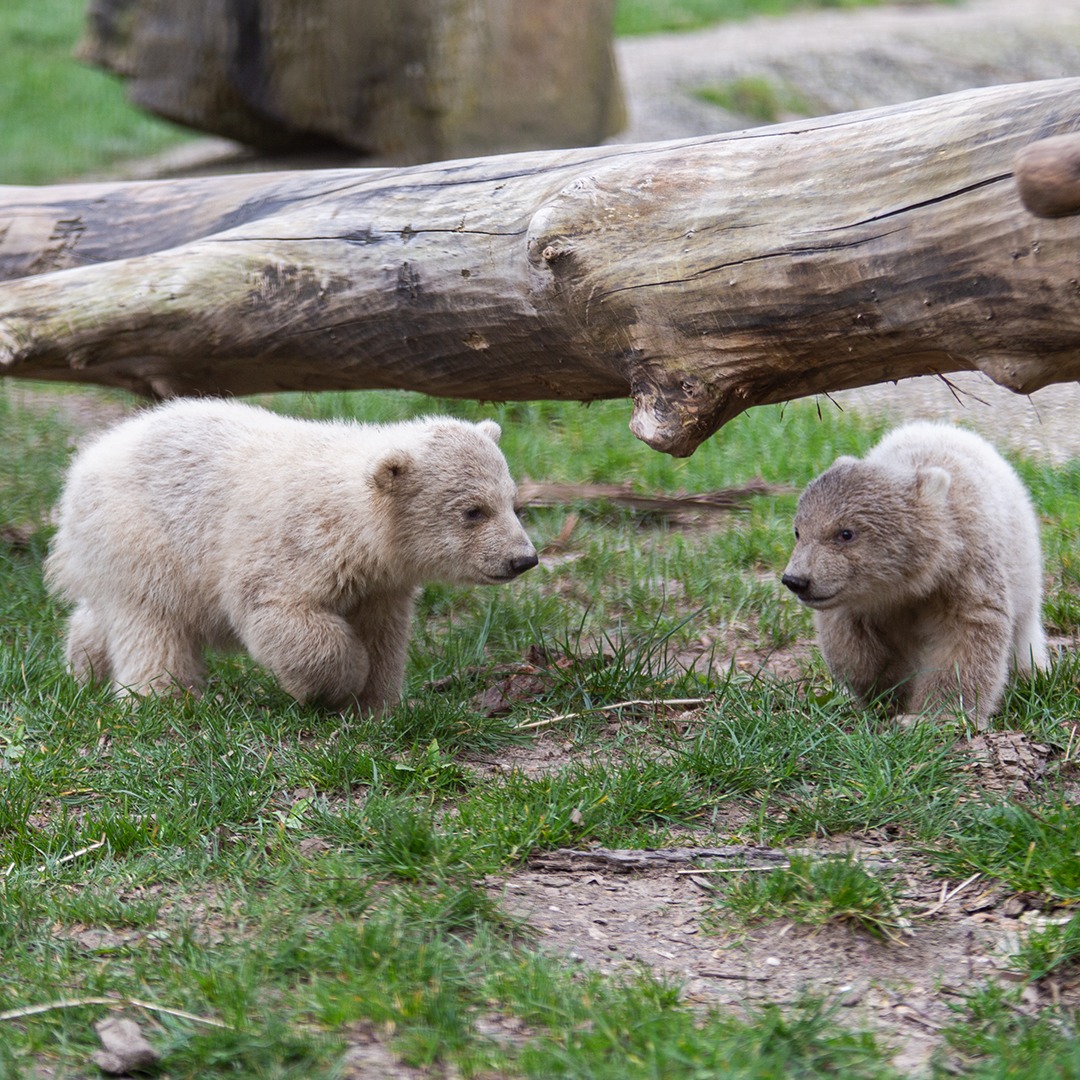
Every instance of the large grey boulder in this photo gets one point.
(405, 80)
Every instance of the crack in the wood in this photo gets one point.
(788, 252)
(784, 253)
(356, 238)
(936, 199)
(451, 179)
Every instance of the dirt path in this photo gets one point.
(959, 934)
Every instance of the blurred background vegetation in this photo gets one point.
(60, 119)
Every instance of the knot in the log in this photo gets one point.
(674, 414)
(555, 251)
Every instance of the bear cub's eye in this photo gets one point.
(475, 514)
(846, 535)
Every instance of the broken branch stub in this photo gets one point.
(698, 277)
(1048, 176)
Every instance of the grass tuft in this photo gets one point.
(657, 16)
(1054, 950)
(1027, 849)
(995, 1038)
(757, 98)
(816, 892)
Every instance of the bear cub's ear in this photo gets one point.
(490, 429)
(933, 483)
(391, 469)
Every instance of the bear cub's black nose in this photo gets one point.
(798, 585)
(523, 563)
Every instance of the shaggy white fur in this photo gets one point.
(923, 567)
(214, 523)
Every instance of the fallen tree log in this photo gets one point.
(699, 277)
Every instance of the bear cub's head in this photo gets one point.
(868, 535)
(455, 505)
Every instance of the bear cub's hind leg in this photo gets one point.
(1029, 651)
(87, 651)
(153, 656)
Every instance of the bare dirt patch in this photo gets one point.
(597, 909)
(667, 923)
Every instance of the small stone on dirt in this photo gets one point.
(125, 1049)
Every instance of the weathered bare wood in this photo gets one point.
(1048, 176)
(721, 501)
(630, 860)
(699, 277)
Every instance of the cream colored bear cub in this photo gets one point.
(923, 568)
(213, 523)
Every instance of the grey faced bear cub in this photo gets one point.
(215, 523)
(922, 565)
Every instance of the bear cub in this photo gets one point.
(922, 565)
(215, 523)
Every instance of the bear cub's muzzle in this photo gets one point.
(519, 564)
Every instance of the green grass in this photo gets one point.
(816, 892)
(658, 16)
(62, 119)
(823, 769)
(1054, 950)
(309, 880)
(995, 1038)
(1029, 849)
(757, 98)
